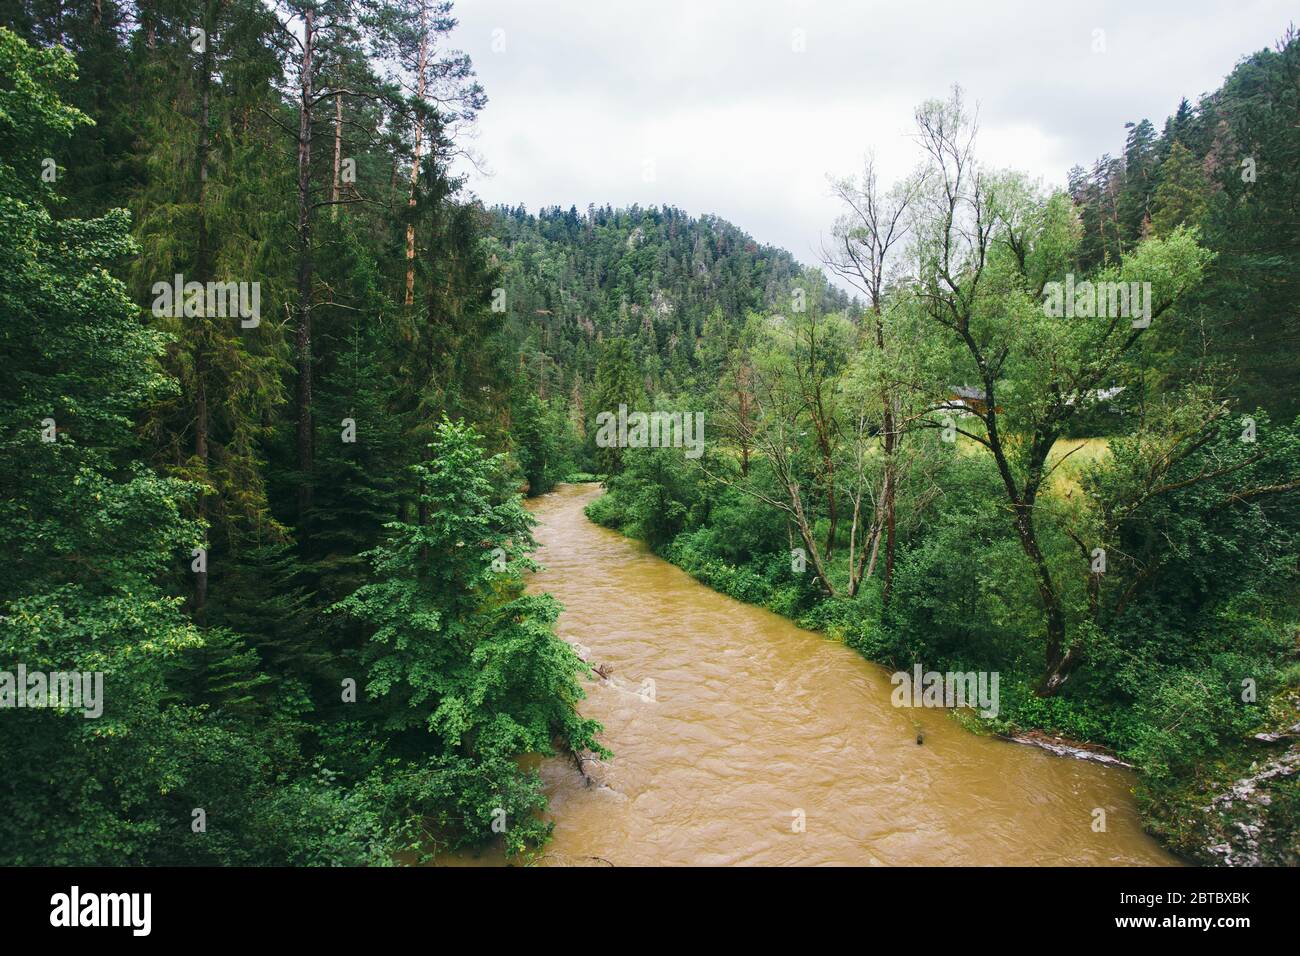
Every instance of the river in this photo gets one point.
(753, 726)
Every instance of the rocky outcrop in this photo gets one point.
(1252, 822)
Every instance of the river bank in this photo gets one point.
(739, 738)
(1244, 809)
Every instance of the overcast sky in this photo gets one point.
(711, 105)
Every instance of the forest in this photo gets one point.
(278, 389)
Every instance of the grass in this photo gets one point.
(1081, 452)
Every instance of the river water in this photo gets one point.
(753, 726)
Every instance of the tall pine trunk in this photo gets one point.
(203, 266)
(303, 332)
(421, 73)
(338, 153)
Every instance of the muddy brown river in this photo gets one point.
(730, 726)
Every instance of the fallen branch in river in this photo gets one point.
(1066, 748)
(581, 759)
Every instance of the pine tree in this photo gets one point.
(1180, 199)
(194, 220)
(457, 650)
(618, 382)
(1140, 162)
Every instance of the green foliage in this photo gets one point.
(1193, 496)
(545, 444)
(90, 533)
(226, 699)
(1180, 199)
(618, 383)
(398, 560)
(1231, 165)
(457, 650)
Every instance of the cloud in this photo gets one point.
(714, 108)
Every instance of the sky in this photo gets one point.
(742, 108)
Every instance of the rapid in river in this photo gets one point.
(739, 738)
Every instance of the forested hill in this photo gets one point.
(670, 283)
(1229, 166)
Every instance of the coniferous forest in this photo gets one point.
(283, 398)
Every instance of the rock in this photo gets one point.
(1237, 819)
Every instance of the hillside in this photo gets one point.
(669, 282)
